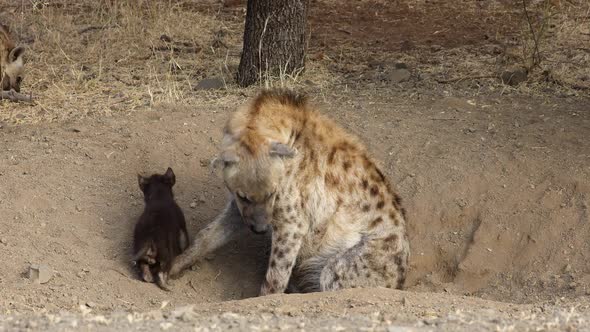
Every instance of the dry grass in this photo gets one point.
(97, 58)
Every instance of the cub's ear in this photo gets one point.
(169, 176)
(281, 150)
(16, 53)
(141, 181)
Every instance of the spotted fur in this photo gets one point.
(336, 221)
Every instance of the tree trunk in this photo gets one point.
(274, 40)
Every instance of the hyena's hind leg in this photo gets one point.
(379, 262)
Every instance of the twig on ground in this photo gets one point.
(121, 273)
(15, 96)
(92, 28)
(463, 78)
(190, 283)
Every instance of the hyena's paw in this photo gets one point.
(162, 281)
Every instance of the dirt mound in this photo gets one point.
(357, 310)
(497, 201)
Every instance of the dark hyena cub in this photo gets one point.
(160, 234)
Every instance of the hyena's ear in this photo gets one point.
(16, 53)
(141, 181)
(281, 150)
(170, 177)
(227, 158)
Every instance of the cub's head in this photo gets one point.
(157, 186)
(253, 181)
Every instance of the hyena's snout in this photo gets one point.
(256, 217)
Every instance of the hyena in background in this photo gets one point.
(11, 61)
(160, 234)
(336, 220)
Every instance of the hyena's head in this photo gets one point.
(253, 181)
(14, 69)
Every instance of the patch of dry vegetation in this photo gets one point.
(97, 58)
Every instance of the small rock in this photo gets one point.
(405, 301)
(3, 240)
(79, 209)
(401, 65)
(90, 304)
(461, 202)
(230, 316)
(514, 77)
(40, 274)
(435, 48)
(567, 268)
(185, 313)
(193, 205)
(406, 45)
(210, 84)
(165, 326)
(399, 75)
(201, 198)
(155, 315)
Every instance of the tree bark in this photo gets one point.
(274, 40)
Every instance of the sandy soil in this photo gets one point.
(494, 178)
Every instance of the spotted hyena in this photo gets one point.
(11, 61)
(336, 221)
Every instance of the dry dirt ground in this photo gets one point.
(494, 177)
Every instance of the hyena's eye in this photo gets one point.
(243, 197)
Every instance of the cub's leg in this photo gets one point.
(371, 263)
(146, 273)
(226, 227)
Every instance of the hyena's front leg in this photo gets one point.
(286, 242)
(226, 227)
